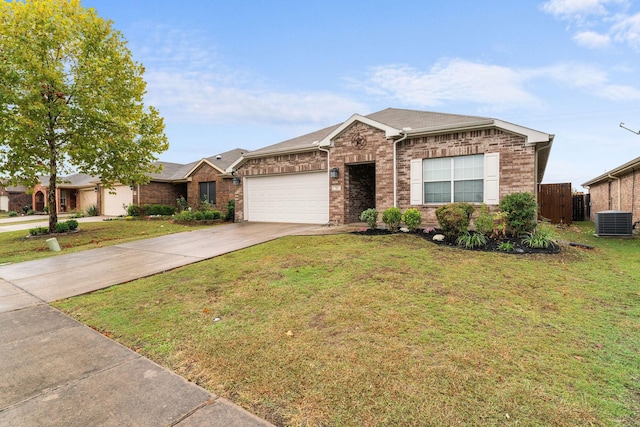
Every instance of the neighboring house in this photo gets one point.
(394, 157)
(14, 198)
(618, 190)
(204, 179)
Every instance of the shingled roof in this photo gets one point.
(394, 117)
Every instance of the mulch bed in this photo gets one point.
(492, 244)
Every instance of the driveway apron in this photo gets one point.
(55, 371)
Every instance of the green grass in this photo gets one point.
(15, 246)
(393, 330)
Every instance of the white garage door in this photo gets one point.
(297, 198)
(113, 203)
(4, 203)
(88, 198)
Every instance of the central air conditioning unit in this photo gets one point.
(614, 223)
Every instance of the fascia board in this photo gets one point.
(197, 165)
(390, 131)
(532, 136)
(233, 166)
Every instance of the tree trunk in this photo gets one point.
(53, 208)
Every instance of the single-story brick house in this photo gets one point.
(618, 190)
(393, 157)
(195, 181)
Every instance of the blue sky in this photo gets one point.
(228, 74)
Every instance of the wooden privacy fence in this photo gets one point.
(555, 202)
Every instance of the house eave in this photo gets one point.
(270, 153)
(532, 137)
(616, 172)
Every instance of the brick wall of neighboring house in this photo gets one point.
(207, 173)
(160, 193)
(604, 196)
(287, 163)
(517, 161)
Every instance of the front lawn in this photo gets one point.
(395, 330)
(16, 246)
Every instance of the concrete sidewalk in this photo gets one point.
(32, 221)
(55, 371)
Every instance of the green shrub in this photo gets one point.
(370, 216)
(62, 227)
(182, 204)
(92, 210)
(539, 239)
(506, 246)
(31, 212)
(206, 205)
(198, 215)
(45, 209)
(454, 218)
(38, 231)
(471, 240)
(72, 224)
(484, 221)
(231, 210)
(392, 218)
(135, 210)
(412, 218)
(184, 216)
(162, 210)
(521, 212)
(12, 213)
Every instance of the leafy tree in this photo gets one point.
(71, 99)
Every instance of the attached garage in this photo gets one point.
(116, 204)
(87, 197)
(295, 198)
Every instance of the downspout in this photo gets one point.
(395, 168)
(326, 150)
(619, 188)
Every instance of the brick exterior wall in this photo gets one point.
(604, 196)
(517, 162)
(362, 144)
(206, 173)
(160, 193)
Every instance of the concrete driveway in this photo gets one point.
(55, 371)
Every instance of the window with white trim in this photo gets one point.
(453, 179)
(471, 179)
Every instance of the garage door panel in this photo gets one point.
(297, 198)
(113, 203)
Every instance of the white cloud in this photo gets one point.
(592, 40)
(189, 82)
(627, 30)
(451, 81)
(199, 98)
(570, 9)
(611, 17)
(491, 86)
